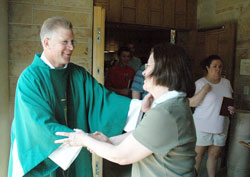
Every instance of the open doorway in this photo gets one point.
(143, 37)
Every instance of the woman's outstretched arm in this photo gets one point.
(127, 151)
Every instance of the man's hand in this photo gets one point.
(147, 102)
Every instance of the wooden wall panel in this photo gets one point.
(155, 18)
(156, 12)
(142, 12)
(211, 45)
(217, 41)
(156, 4)
(168, 13)
(180, 21)
(200, 54)
(114, 10)
(128, 15)
(181, 14)
(180, 6)
(129, 3)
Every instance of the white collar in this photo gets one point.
(46, 61)
(167, 96)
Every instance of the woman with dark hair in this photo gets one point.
(211, 128)
(163, 144)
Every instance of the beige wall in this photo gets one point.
(4, 91)
(218, 12)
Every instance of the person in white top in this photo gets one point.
(211, 128)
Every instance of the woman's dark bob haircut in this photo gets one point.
(172, 68)
(207, 61)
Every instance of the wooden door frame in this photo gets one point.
(98, 44)
(98, 69)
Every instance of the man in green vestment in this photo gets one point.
(54, 95)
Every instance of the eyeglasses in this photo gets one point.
(148, 64)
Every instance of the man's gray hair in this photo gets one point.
(51, 24)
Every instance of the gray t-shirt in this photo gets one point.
(168, 131)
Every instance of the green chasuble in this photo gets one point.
(49, 99)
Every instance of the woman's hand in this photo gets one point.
(101, 137)
(147, 102)
(231, 109)
(207, 87)
(198, 97)
(76, 138)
